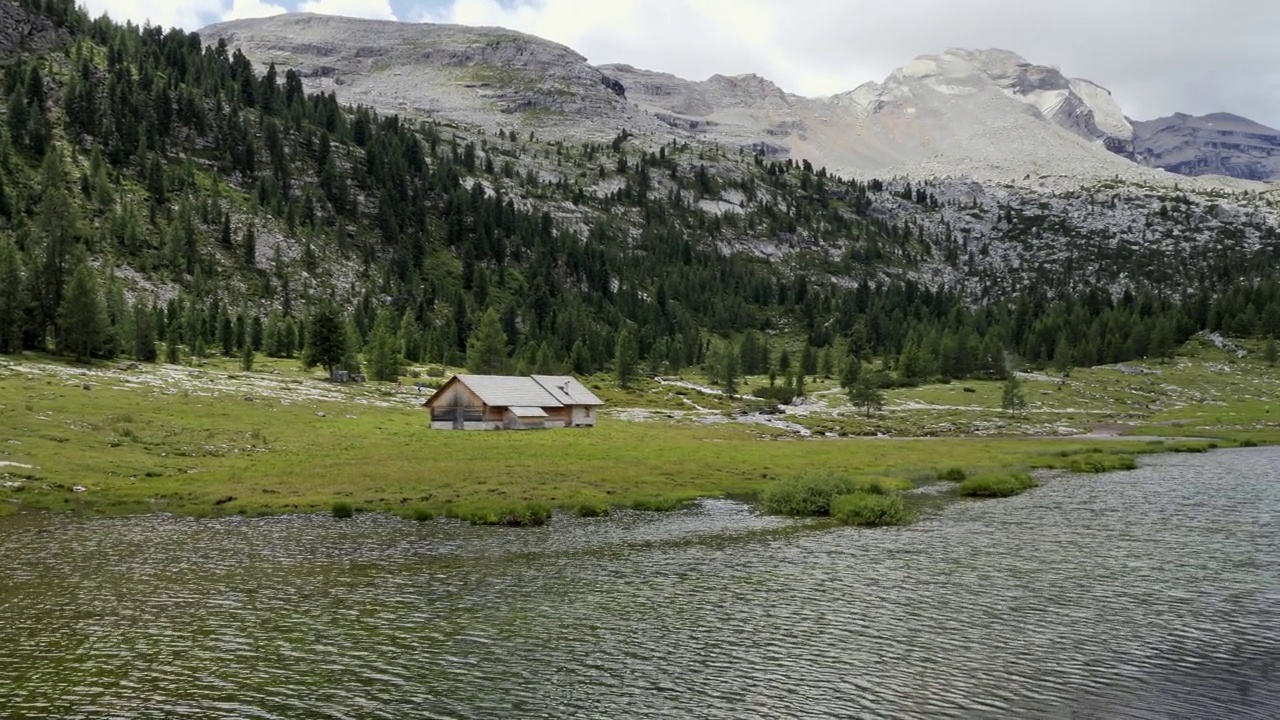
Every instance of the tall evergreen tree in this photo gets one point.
(13, 300)
(144, 332)
(1269, 352)
(626, 358)
(487, 348)
(326, 338)
(83, 316)
(382, 351)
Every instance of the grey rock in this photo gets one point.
(23, 33)
(1217, 144)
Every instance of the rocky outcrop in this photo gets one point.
(23, 33)
(487, 77)
(1217, 144)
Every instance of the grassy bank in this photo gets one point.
(212, 442)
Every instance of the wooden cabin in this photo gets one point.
(496, 402)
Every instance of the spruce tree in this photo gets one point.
(1269, 352)
(246, 357)
(82, 317)
(851, 372)
(866, 393)
(326, 338)
(487, 346)
(626, 357)
(1012, 399)
(13, 298)
(351, 350)
(382, 351)
(144, 333)
(172, 343)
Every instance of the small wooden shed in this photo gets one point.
(493, 402)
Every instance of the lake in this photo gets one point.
(1149, 594)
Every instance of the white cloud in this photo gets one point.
(375, 9)
(1158, 57)
(166, 13)
(251, 9)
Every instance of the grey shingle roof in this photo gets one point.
(567, 390)
(509, 391)
(527, 412)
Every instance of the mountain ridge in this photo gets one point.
(988, 114)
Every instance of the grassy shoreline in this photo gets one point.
(215, 443)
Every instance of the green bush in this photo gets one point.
(1248, 443)
(811, 495)
(996, 485)
(1101, 463)
(343, 509)
(421, 513)
(1189, 448)
(955, 475)
(870, 509)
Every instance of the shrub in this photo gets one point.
(996, 485)
(1100, 463)
(780, 394)
(870, 509)
(955, 475)
(343, 509)
(811, 495)
(807, 495)
(435, 371)
(1248, 443)
(1189, 448)
(421, 513)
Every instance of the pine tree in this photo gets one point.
(1269, 352)
(172, 343)
(579, 360)
(382, 350)
(866, 393)
(326, 338)
(625, 358)
(249, 246)
(851, 372)
(144, 333)
(82, 317)
(487, 346)
(13, 298)
(351, 351)
(246, 358)
(1012, 399)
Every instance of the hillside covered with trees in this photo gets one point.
(162, 199)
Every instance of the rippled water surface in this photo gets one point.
(1150, 594)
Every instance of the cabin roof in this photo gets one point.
(567, 390)
(509, 391)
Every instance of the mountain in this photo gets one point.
(155, 184)
(1216, 144)
(984, 114)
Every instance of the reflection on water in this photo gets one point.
(1150, 594)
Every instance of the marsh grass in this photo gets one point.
(996, 485)
(528, 514)
(870, 509)
(812, 494)
(342, 509)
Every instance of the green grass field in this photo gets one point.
(212, 441)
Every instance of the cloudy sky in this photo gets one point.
(1156, 56)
